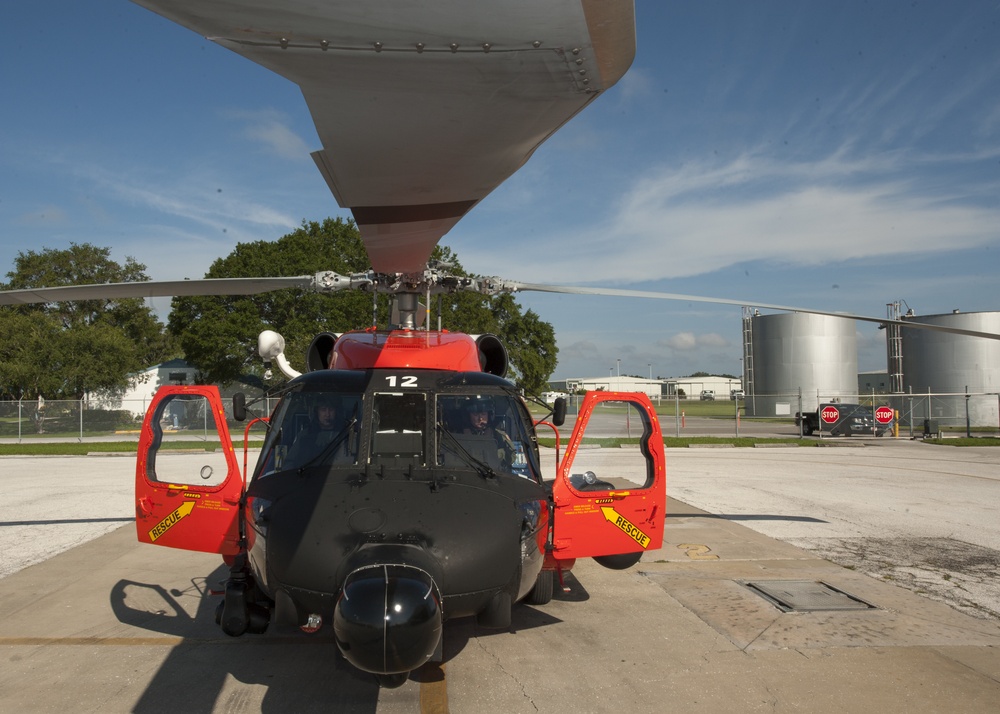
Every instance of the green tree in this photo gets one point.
(219, 334)
(65, 350)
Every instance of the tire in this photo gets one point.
(807, 429)
(622, 561)
(541, 593)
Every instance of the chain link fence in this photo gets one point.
(68, 420)
(914, 415)
(773, 414)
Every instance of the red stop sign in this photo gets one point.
(883, 415)
(830, 415)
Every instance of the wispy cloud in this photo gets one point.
(272, 130)
(638, 82)
(195, 197)
(177, 221)
(701, 217)
(688, 341)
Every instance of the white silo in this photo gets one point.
(798, 353)
(945, 363)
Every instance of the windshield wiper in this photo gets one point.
(481, 467)
(334, 444)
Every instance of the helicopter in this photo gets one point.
(379, 504)
(422, 498)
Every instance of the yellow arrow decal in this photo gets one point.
(170, 521)
(625, 525)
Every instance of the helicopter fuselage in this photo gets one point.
(406, 485)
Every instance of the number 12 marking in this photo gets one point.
(409, 380)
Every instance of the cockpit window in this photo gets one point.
(312, 429)
(485, 430)
(399, 421)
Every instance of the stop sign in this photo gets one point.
(830, 415)
(883, 415)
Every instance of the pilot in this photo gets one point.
(478, 418)
(479, 422)
(322, 429)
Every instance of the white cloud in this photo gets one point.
(682, 341)
(637, 83)
(701, 217)
(688, 341)
(193, 197)
(271, 129)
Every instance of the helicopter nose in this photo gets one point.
(388, 618)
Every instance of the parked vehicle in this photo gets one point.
(737, 394)
(707, 395)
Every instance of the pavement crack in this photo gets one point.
(499, 665)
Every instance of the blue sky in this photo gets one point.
(835, 155)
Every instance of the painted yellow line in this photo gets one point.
(117, 641)
(164, 641)
(697, 551)
(433, 689)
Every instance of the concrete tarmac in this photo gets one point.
(113, 626)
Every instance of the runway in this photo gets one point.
(111, 625)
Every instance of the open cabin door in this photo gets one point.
(611, 499)
(187, 497)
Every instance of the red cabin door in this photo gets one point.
(610, 488)
(187, 479)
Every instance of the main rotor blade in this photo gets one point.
(575, 290)
(155, 288)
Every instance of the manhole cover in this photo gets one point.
(806, 596)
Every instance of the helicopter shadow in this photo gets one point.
(459, 632)
(300, 673)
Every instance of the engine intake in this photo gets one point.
(492, 355)
(319, 352)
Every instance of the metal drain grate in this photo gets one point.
(806, 596)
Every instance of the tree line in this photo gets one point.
(68, 350)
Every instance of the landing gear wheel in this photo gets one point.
(392, 681)
(541, 593)
(621, 561)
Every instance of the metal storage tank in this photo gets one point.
(816, 354)
(939, 362)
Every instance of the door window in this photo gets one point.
(187, 446)
(613, 454)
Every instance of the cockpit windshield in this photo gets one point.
(487, 429)
(312, 428)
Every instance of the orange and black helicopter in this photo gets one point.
(400, 480)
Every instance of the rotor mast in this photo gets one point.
(407, 288)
